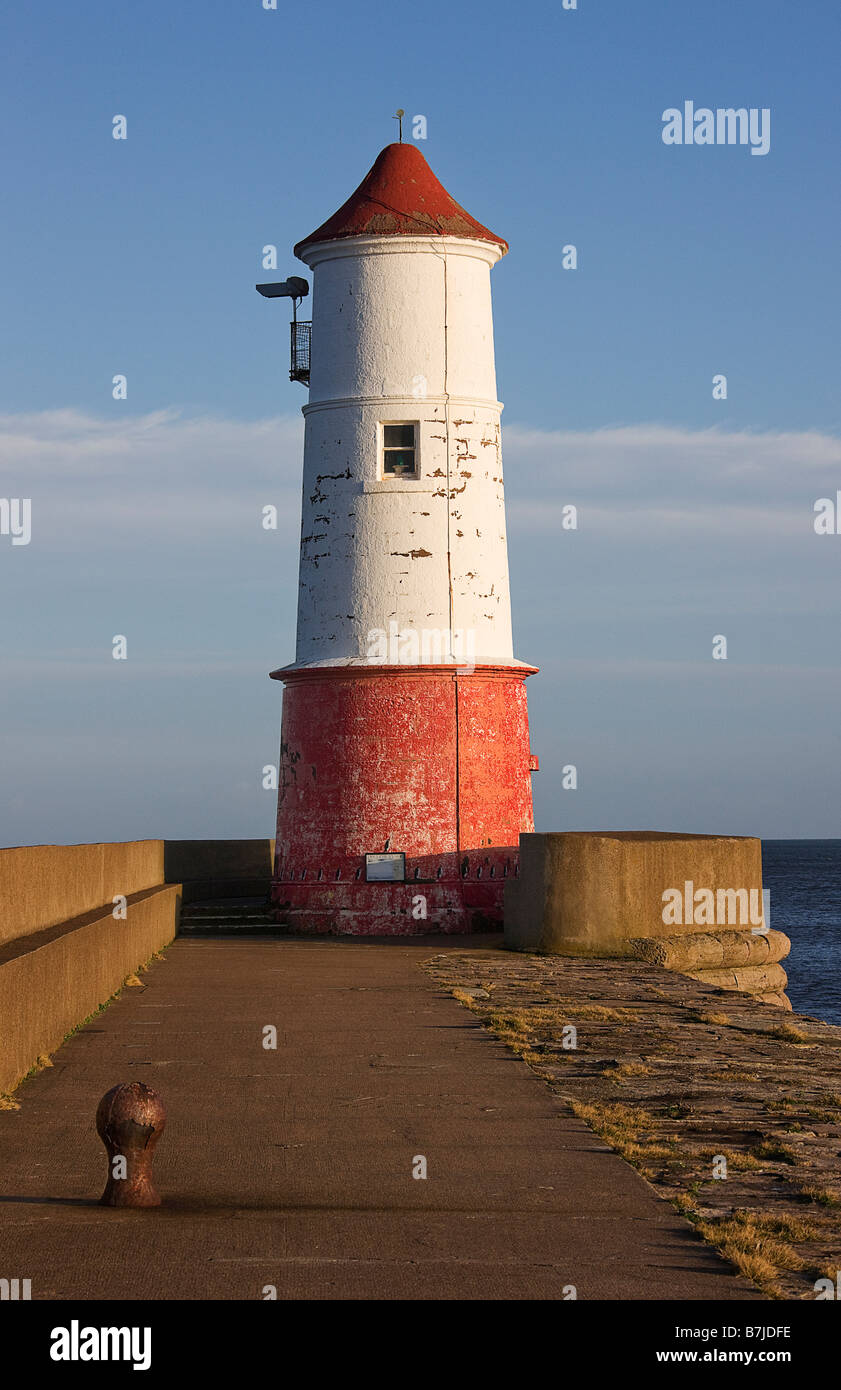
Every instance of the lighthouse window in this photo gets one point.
(399, 450)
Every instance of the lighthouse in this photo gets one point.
(405, 767)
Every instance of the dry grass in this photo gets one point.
(760, 1246)
(786, 1225)
(754, 1266)
(130, 981)
(624, 1129)
(539, 1016)
(506, 1021)
(616, 1120)
(8, 1102)
(625, 1069)
(775, 1150)
(642, 1153)
(561, 1010)
(717, 1020)
(517, 1026)
(787, 1032)
(823, 1196)
(528, 1054)
(40, 1064)
(736, 1159)
(603, 1013)
(600, 1011)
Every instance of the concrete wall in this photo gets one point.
(52, 981)
(219, 868)
(41, 885)
(591, 893)
(63, 953)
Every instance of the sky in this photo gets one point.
(247, 127)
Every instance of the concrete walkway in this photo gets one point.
(293, 1168)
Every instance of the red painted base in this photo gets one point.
(388, 909)
(421, 760)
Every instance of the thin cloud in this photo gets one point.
(166, 473)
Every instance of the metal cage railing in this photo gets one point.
(300, 361)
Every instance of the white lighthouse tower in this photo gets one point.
(405, 763)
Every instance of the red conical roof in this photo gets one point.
(400, 196)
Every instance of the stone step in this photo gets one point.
(245, 916)
(228, 905)
(230, 929)
(226, 916)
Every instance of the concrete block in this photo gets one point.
(592, 893)
(516, 937)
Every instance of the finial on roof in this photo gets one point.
(398, 116)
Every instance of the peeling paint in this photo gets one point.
(459, 791)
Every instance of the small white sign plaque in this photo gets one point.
(385, 868)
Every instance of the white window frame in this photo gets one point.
(397, 477)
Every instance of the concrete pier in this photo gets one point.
(292, 1168)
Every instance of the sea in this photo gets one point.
(804, 877)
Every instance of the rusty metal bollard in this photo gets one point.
(130, 1120)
